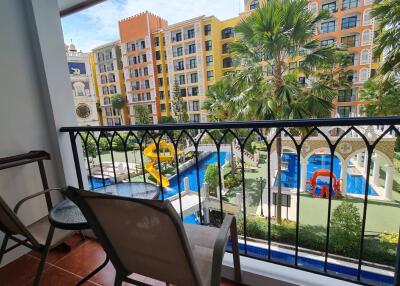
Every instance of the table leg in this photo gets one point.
(94, 272)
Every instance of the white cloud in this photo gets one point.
(99, 24)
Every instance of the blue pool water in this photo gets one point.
(97, 183)
(191, 173)
(355, 184)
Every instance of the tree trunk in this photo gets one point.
(279, 178)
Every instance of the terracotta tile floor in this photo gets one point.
(67, 268)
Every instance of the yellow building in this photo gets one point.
(110, 81)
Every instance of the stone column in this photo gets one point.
(389, 181)
(343, 176)
(365, 162)
(375, 172)
(303, 175)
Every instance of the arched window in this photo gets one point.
(366, 37)
(365, 58)
(225, 48)
(367, 19)
(313, 7)
(227, 33)
(105, 90)
(107, 100)
(111, 77)
(113, 89)
(227, 63)
(79, 88)
(103, 79)
(364, 74)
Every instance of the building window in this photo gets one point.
(349, 41)
(349, 22)
(302, 81)
(147, 84)
(192, 48)
(163, 109)
(158, 55)
(144, 58)
(178, 37)
(180, 66)
(107, 101)
(209, 60)
(353, 59)
(103, 79)
(366, 37)
(109, 122)
(161, 95)
(195, 117)
(367, 19)
(344, 111)
(254, 5)
(190, 33)
(227, 33)
(130, 47)
(195, 91)
(328, 27)
(292, 66)
(345, 95)
(194, 105)
(348, 4)
(181, 79)
(183, 92)
(227, 63)
(193, 77)
(142, 44)
(208, 45)
(111, 77)
(160, 81)
(179, 51)
(113, 89)
(331, 7)
(105, 90)
(225, 48)
(327, 42)
(365, 58)
(157, 41)
(207, 29)
(159, 68)
(192, 63)
(364, 75)
(210, 75)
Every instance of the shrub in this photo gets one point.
(232, 181)
(211, 178)
(118, 101)
(345, 228)
(392, 238)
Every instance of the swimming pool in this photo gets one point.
(98, 183)
(191, 173)
(355, 184)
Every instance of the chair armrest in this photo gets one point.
(18, 205)
(228, 227)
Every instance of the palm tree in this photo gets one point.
(268, 87)
(387, 14)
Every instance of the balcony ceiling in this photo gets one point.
(68, 7)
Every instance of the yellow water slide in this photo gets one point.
(151, 152)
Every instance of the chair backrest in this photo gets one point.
(12, 225)
(140, 236)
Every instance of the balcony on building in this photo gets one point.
(325, 163)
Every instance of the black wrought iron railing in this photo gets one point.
(318, 170)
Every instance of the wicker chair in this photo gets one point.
(147, 237)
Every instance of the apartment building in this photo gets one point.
(350, 26)
(110, 81)
(138, 57)
(82, 86)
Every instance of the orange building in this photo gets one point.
(138, 57)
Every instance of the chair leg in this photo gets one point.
(43, 257)
(235, 251)
(118, 280)
(3, 247)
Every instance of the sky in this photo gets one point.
(99, 24)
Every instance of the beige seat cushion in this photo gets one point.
(202, 239)
(40, 229)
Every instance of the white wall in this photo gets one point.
(35, 101)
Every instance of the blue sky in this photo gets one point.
(99, 24)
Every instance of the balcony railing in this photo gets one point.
(324, 162)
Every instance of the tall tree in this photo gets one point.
(179, 105)
(268, 86)
(381, 94)
(142, 114)
(387, 13)
(118, 101)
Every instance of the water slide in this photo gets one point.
(151, 152)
